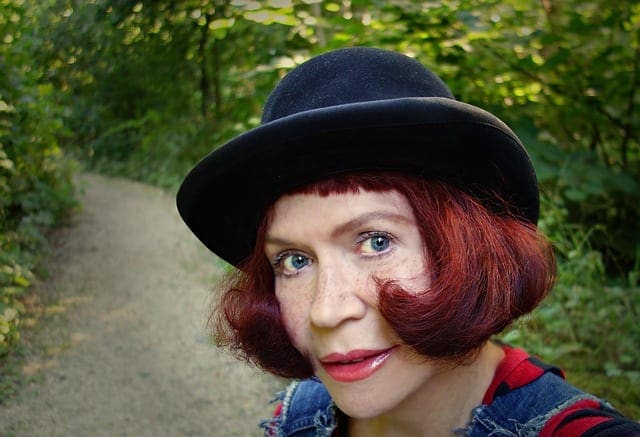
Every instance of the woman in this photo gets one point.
(383, 232)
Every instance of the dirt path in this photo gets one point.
(128, 355)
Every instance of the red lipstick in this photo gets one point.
(354, 365)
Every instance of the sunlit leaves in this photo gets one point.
(268, 17)
(332, 7)
(222, 23)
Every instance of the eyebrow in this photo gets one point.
(349, 226)
(362, 220)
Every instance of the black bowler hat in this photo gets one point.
(354, 109)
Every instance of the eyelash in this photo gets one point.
(367, 236)
(278, 261)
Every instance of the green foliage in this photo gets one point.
(595, 196)
(589, 323)
(148, 87)
(35, 181)
(147, 81)
(587, 314)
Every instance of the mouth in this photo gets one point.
(355, 365)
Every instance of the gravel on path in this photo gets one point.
(132, 357)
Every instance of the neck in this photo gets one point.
(441, 406)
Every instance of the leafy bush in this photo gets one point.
(36, 187)
(588, 314)
(589, 322)
(159, 151)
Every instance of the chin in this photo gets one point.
(359, 403)
(362, 408)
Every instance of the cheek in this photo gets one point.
(294, 311)
(420, 278)
(410, 271)
(416, 266)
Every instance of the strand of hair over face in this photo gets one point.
(488, 270)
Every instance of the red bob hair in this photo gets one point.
(488, 268)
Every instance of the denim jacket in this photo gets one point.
(308, 411)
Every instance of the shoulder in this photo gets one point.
(528, 397)
(590, 418)
(305, 408)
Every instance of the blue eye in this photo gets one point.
(376, 244)
(293, 263)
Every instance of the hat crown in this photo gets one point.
(351, 75)
(353, 110)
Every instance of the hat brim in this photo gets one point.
(224, 196)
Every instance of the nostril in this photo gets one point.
(330, 309)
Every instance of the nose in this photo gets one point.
(338, 296)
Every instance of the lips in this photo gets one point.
(354, 365)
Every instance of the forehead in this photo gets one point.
(316, 210)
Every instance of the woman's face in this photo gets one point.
(326, 252)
